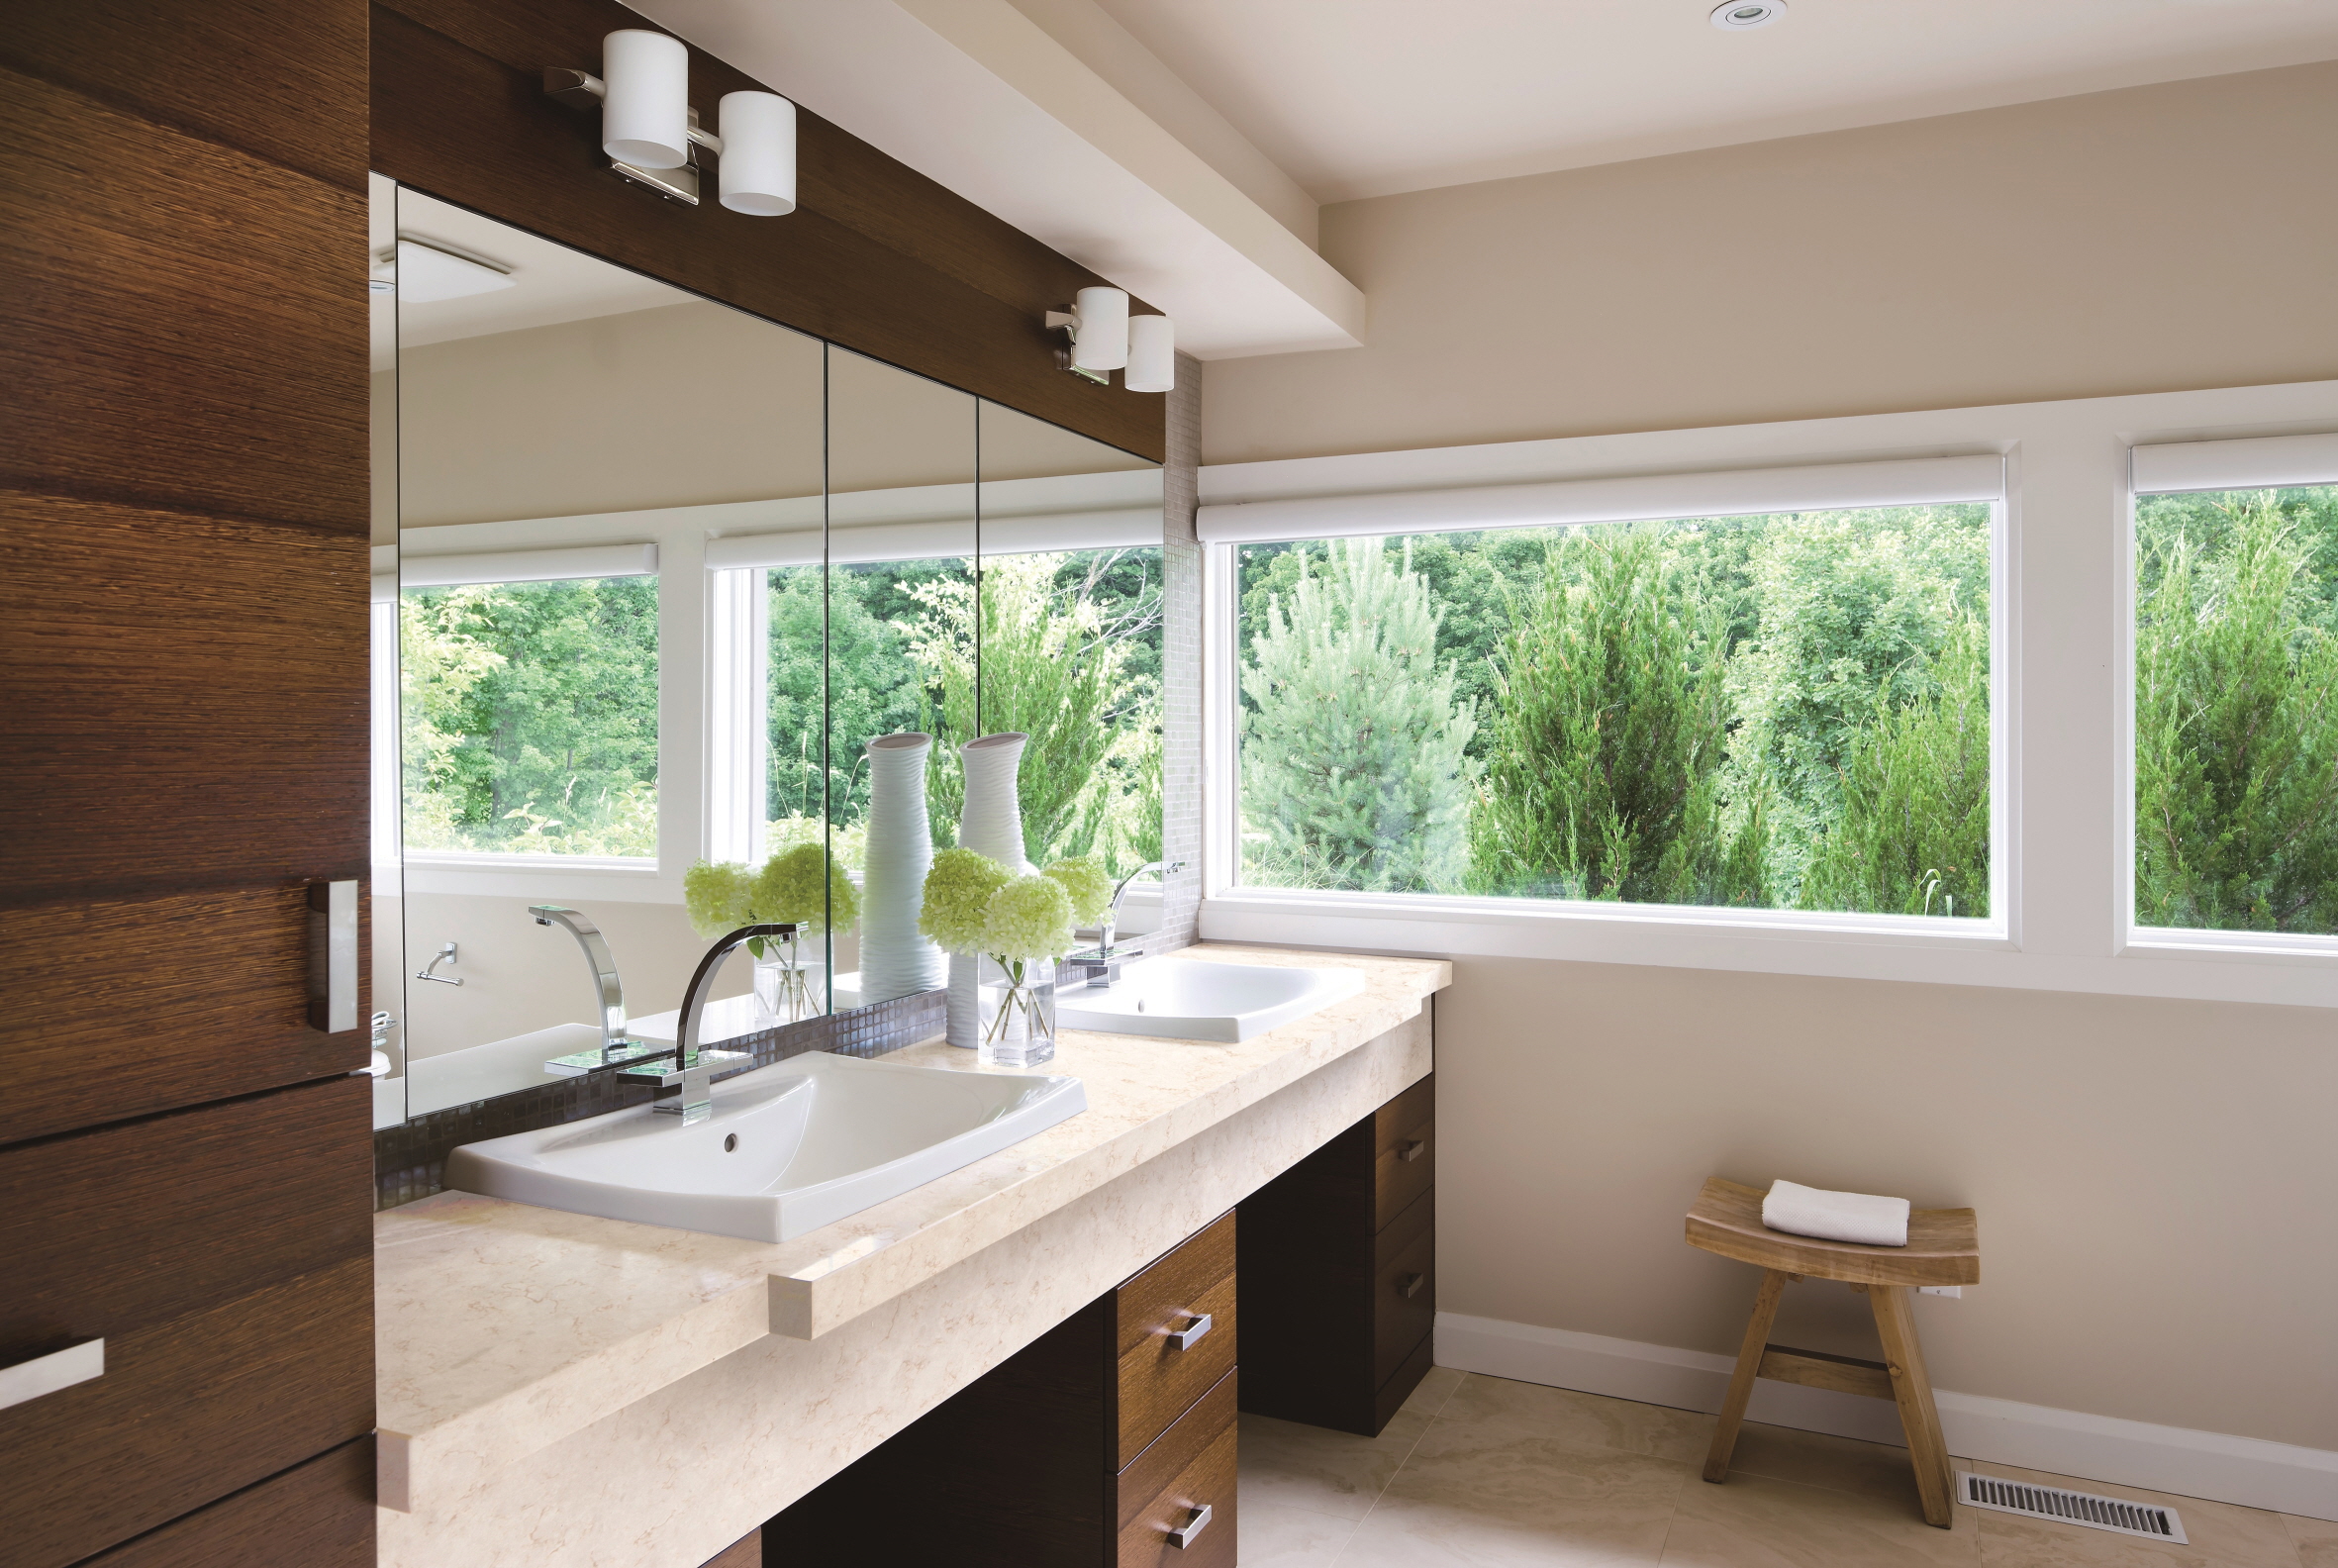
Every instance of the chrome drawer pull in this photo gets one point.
(1412, 1284)
(60, 1369)
(333, 957)
(1414, 1150)
(1183, 1536)
(1184, 1338)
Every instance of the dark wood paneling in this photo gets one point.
(187, 699)
(143, 1004)
(227, 70)
(1209, 1480)
(225, 1255)
(745, 1552)
(318, 1515)
(1158, 1381)
(181, 326)
(1162, 1294)
(1404, 1150)
(876, 256)
(1150, 1473)
(1403, 1286)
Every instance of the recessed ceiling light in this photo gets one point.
(1739, 15)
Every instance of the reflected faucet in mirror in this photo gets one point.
(609, 998)
(1100, 965)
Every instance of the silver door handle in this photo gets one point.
(1181, 1537)
(333, 957)
(1184, 1338)
(60, 1369)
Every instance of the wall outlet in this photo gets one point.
(1954, 1291)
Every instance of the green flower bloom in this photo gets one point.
(1089, 885)
(1029, 918)
(803, 886)
(957, 891)
(716, 892)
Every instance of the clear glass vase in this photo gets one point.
(790, 982)
(1017, 1012)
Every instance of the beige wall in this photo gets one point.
(2154, 1178)
(2156, 238)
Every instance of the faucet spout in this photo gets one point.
(606, 990)
(694, 1098)
(1102, 966)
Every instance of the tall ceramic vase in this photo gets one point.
(991, 823)
(895, 962)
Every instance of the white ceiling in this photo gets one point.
(1356, 98)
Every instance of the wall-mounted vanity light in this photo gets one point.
(652, 135)
(1105, 337)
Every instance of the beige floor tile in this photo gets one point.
(1323, 1471)
(1759, 1522)
(1434, 1390)
(2224, 1534)
(1840, 1464)
(1589, 1419)
(1278, 1535)
(2316, 1540)
(1472, 1498)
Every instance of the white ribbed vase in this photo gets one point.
(895, 962)
(991, 823)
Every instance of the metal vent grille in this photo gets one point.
(2089, 1508)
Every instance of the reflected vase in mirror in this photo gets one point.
(991, 823)
(791, 984)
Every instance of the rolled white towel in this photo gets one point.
(1835, 1215)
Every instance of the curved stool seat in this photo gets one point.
(1943, 1249)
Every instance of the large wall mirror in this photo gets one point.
(663, 592)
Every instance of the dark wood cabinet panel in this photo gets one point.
(318, 1515)
(1207, 1482)
(1158, 1379)
(876, 256)
(1149, 1474)
(229, 71)
(191, 338)
(1337, 1306)
(187, 701)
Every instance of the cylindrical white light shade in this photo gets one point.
(645, 112)
(1152, 355)
(1102, 342)
(758, 157)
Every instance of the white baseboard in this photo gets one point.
(2177, 1459)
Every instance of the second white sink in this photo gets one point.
(1195, 999)
(790, 1147)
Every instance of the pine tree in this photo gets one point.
(2236, 733)
(1353, 748)
(1604, 779)
(1912, 836)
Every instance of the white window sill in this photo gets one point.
(1851, 947)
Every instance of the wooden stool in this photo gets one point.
(1943, 1249)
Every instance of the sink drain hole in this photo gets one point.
(729, 1143)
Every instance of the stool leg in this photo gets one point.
(1742, 1381)
(1911, 1388)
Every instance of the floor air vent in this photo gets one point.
(2092, 1510)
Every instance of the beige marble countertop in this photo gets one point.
(502, 1327)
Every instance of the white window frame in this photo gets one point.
(2062, 707)
(2277, 462)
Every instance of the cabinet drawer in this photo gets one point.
(1403, 1286)
(225, 1255)
(1165, 1289)
(1404, 1151)
(319, 1515)
(1159, 1382)
(1190, 1467)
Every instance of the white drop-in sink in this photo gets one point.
(1195, 999)
(789, 1148)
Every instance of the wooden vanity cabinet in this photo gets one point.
(1338, 1263)
(1092, 1447)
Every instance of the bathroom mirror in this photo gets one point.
(662, 585)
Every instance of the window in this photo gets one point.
(1781, 710)
(530, 712)
(2236, 708)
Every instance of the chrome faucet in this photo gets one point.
(1101, 964)
(687, 1086)
(608, 991)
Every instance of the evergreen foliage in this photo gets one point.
(1354, 719)
(1605, 772)
(2236, 712)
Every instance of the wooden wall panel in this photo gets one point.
(318, 1515)
(876, 256)
(181, 325)
(188, 699)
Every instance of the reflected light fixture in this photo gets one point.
(650, 133)
(1105, 337)
(1739, 15)
(427, 273)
